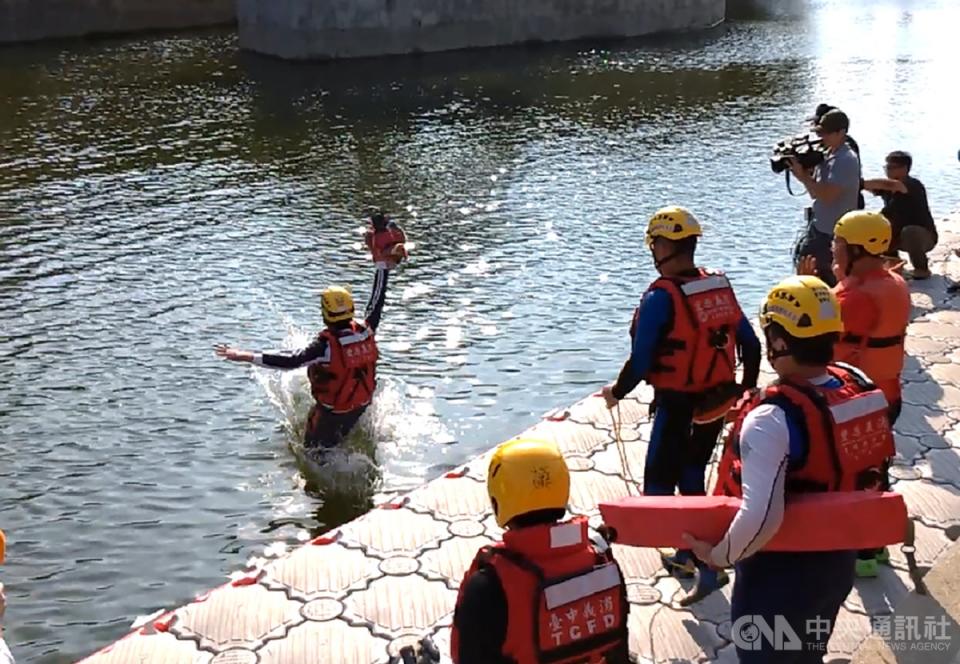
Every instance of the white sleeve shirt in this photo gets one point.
(764, 453)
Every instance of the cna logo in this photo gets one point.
(750, 632)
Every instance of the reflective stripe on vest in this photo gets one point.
(859, 406)
(713, 282)
(569, 591)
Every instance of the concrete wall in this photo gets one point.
(304, 29)
(29, 20)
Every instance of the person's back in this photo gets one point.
(546, 592)
(874, 331)
(874, 302)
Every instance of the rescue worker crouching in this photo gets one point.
(546, 593)
(875, 307)
(342, 359)
(819, 427)
(686, 336)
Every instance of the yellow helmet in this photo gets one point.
(337, 304)
(526, 475)
(869, 230)
(672, 223)
(804, 306)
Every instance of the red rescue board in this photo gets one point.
(812, 522)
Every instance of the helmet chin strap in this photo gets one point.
(772, 353)
(665, 259)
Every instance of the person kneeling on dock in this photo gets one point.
(686, 335)
(820, 427)
(342, 360)
(548, 592)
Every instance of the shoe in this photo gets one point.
(680, 564)
(866, 569)
(708, 581)
(883, 556)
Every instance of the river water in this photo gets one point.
(162, 194)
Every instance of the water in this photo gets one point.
(163, 194)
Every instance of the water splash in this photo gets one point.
(384, 453)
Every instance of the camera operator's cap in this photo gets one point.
(820, 111)
(833, 121)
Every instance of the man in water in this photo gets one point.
(342, 360)
(687, 334)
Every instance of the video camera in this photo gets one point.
(806, 149)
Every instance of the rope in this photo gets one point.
(624, 462)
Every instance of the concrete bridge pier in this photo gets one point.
(326, 29)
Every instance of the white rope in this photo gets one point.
(628, 478)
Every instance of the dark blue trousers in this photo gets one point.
(806, 589)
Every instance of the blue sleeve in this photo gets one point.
(748, 347)
(656, 309)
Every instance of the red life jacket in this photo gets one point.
(881, 352)
(699, 350)
(383, 245)
(565, 598)
(849, 439)
(347, 380)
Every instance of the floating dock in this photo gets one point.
(359, 593)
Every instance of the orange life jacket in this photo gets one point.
(881, 353)
(849, 439)
(347, 380)
(699, 350)
(565, 599)
(382, 245)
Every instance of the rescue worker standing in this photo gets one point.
(342, 359)
(819, 427)
(686, 336)
(564, 594)
(875, 307)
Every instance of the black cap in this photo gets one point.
(819, 113)
(833, 121)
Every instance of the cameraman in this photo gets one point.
(819, 112)
(834, 187)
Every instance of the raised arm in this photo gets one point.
(374, 308)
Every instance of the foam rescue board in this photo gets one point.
(812, 522)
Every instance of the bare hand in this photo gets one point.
(701, 549)
(795, 168)
(608, 397)
(898, 187)
(232, 354)
(807, 266)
